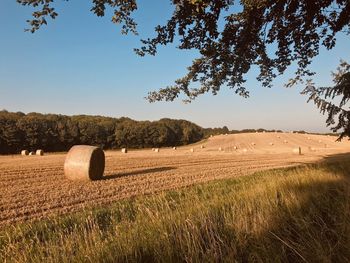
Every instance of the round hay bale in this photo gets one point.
(253, 143)
(84, 162)
(202, 146)
(156, 150)
(24, 152)
(124, 150)
(235, 147)
(271, 143)
(174, 148)
(192, 150)
(32, 153)
(296, 150)
(39, 152)
(285, 141)
(220, 149)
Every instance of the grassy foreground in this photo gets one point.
(288, 215)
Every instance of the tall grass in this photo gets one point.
(288, 215)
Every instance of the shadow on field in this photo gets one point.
(304, 218)
(316, 230)
(138, 172)
(337, 157)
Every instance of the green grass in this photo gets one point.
(287, 215)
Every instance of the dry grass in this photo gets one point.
(297, 214)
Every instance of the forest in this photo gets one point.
(54, 132)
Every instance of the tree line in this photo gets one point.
(52, 132)
(55, 133)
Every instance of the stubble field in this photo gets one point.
(34, 187)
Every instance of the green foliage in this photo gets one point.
(334, 101)
(231, 37)
(298, 214)
(58, 133)
(225, 130)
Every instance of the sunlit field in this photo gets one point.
(298, 214)
(34, 187)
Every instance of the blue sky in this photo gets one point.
(81, 64)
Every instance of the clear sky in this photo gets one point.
(81, 64)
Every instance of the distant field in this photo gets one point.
(34, 187)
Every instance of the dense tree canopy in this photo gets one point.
(53, 132)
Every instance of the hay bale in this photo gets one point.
(308, 138)
(156, 150)
(297, 150)
(84, 162)
(124, 150)
(271, 143)
(235, 147)
(174, 148)
(24, 152)
(191, 150)
(285, 141)
(32, 153)
(253, 143)
(39, 152)
(202, 146)
(220, 149)
(245, 150)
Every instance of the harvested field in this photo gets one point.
(35, 187)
